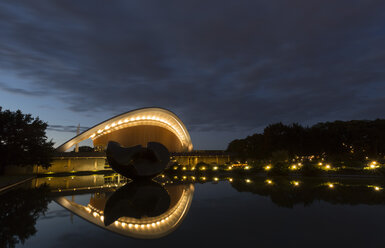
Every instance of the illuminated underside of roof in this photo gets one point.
(145, 116)
(145, 228)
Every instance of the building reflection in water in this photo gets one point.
(145, 210)
(155, 209)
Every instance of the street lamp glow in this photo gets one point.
(268, 181)
(295, 183)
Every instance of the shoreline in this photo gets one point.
(13, 181)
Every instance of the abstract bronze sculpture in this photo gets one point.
(138, 162)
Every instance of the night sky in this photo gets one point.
(226, 68)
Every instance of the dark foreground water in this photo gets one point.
(108, 211)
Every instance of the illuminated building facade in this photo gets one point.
(138, 127)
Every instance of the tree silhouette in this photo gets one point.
(345, 140)
(23, 140)
(19, 210)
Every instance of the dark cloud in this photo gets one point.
(70, 129)
(20, 91)
(220, 65)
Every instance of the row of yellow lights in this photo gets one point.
(132, 119)
(203, 168)
(372, 165)
(270, 182)
(99, 213)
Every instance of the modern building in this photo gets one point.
(138, 127)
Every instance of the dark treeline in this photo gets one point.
(345, 139)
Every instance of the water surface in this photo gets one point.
(236, 211)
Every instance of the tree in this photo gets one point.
(19, 210)
(85, 149)
(23, 140)
(339, 140)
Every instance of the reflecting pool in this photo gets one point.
(187, 211)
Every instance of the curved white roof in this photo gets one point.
(145, 116)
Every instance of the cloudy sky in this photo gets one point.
(226, 68)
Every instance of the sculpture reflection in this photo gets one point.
(145, 210)
(137, 199)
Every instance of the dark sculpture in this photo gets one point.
(137, 199)
(138, 162)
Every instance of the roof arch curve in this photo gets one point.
(143, 228)
(145, 116)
